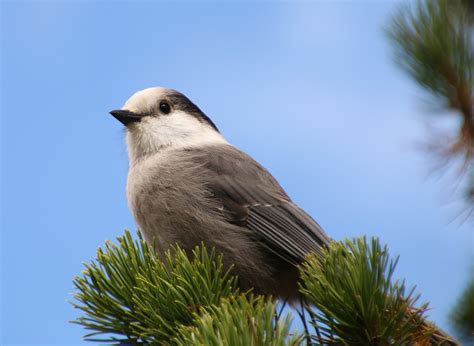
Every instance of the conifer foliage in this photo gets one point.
(357, 299)
(433, 43)
(131, 295)
(131, 292)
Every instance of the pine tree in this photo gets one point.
(130, 295)
(434, 44)
(463, 315)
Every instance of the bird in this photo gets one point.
(187, 185)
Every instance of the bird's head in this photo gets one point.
(159, 118)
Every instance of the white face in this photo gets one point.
(161, 127)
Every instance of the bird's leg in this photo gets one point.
(278, 315)
(314, 320)
(305, 324)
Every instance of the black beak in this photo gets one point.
(126, 117)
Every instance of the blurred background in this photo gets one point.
(311, 90)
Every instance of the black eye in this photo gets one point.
(165, 107)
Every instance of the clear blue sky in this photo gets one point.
(309, 90)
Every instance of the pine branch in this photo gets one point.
(252, 321)
(462, 315)
(470, 175)
(433, 44)
(131, 292)
(130, 295)
(357, 301)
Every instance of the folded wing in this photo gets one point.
(249, 196)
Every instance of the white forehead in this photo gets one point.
(144, 99)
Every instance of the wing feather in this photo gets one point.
(250, 197)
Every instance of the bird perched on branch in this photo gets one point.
(187, 185)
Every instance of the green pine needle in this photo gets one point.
(462, 315)
(433, 44)
(130, 295)
(130, 292)
(357, 300)
(243, 321)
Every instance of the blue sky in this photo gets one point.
(309, 89)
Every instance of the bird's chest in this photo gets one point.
(166, 197)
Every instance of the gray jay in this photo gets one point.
(187, 184)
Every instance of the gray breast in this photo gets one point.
(168, 198)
